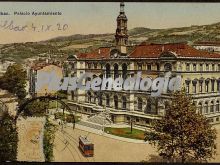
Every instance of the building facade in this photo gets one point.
(199, 70)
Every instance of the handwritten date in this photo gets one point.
(10, 25)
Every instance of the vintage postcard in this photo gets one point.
(109, 82)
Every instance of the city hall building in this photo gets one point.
(199, 71)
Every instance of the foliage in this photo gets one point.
(126, 132)
(8, 138)
(48, 141)
(69, 118)
(14, 80)
(36, 108)
(182, 134)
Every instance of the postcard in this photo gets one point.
(109, 82)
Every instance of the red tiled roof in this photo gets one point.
(97, 54)
(147, 50)
(180, 49)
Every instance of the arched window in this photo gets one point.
(149, 106)
(140, 104)
(212, 107)
(108, 71)
(124, 102)
(89, 97)
(206, 107)
(168, 67)
(116, 75)
(207, 85)
(107, 100)
(200, 107)
(100, 99)
(124, 71)
(116, 101)
(217, 106)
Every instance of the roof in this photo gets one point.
(150, 50)
(207, 43)
(145, 50)
(39, 66)
(103, 52)
(84, 140)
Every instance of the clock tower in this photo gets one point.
(121, 36)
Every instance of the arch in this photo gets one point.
(200, 107)
(140, 104)
(124, 70)
(124, 102)
(217, 106)
(116, 101)
(107, 99)
(167, 67)
(206, 105)
(89, 97)
(107, 70)
(116, 73)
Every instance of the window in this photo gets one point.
(137, 120)
(107, 100)
(207, 67)
(158, 67)
(187, 86)
(218, 67)
(107, 70)
(217, 119)
(206, 107)
(213, 85)
(124, 71)
(116, 101)
(201, 67)
(168, 67)
(139, 66)
(124, 102)
(194, 87)
(89, 97)
(140, 104)
(148, 66)
(187, 67)
(200, 108)
(89, 65)
(212, 107)
(95, 65)
(217, 106)
(207, 85)
(218, 85)
(100, 99)
(194, 67)
(116, 75)
(213, 67)
(200, 87)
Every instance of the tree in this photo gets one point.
(8, 138)
(182, 134)
(14, 80)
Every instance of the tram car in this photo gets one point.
(86, 147)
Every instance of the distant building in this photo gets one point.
(208, 46)
(33, 74)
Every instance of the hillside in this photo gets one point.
(84, 43)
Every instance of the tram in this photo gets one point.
(86, 147)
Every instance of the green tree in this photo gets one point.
(8, 138)
(14, 80)
(36, 108)
(182, 134)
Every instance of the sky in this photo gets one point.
(97, 18)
